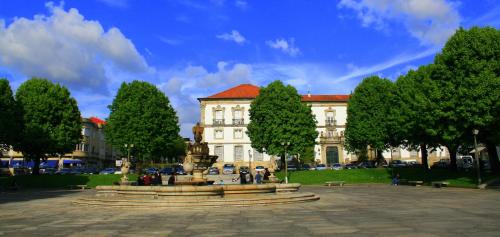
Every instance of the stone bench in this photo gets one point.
(416, 182)
(334, 183)
(78, 186)
(439, 184)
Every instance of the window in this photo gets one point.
(219, 134)
(330, 118)
(238, 116)
(219, 117)
(238, 133)
(219, 151)
(238, 153)
(257, 156)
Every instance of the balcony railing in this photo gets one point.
(218, 121)
(238, 121)
(331, 122)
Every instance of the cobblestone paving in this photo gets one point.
(349, 211)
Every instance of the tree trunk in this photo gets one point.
(36, 167)
(283, 160)
(493, 157)
(453, 157)
(424, 153)
(380, 158)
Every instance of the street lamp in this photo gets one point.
(250, 161)
(129, 146)
(286, 144)
(476, 154)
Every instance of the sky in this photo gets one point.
(191, 49)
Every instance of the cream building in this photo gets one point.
(225, 117)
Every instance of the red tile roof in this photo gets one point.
(249, 91)
(97, 121)
(317, 98)
(243, 91)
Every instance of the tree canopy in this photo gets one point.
(142, 115)
(278, 115)
(51, 120)
(9, 115)
(467, 71)
(370, 120)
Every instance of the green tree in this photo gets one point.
(415, 112)
(370, 121)
(467, 72)
(142, 115)
(9, 116)
(277, 115)
(51, 120)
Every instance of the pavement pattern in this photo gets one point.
(371, 210)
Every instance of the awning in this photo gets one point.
(479, 149)
(49, 164)
(75, 161)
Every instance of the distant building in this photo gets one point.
(93, 150)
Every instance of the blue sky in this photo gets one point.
(192, 49)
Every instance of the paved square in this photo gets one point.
(377, 210)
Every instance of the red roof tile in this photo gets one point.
(243, 91)
(97, 120)
(248, 91)
(317, 98)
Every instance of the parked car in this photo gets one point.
(292, 167)
(150, 170)
(367, 164)
(397, 164)
(441, 164)
(90, 170)
(260, 168)
(336, 166)
(213, 171)
(244, 169)
(179, 170)
(350, 166)
(321, 167)
(228, 169)
(76, 171)
(167, 171)
(64, 171)
(307, 167)
(108, 171)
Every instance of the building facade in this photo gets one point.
(225, 117)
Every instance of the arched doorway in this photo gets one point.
(332, 155)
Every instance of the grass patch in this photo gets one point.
(62, 181)
(383, 175)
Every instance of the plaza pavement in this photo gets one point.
(377, 210)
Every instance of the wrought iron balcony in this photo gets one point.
(331, 122)
(238, 121)
(218, 121)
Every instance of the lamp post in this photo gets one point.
(128, 146)
(286, 144)
(476, 154)
(250, 161)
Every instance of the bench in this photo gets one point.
(79, 186)
(439, 184)
(416, 182)
(335, 183)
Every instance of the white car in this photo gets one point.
(321, 167)
(337, 166)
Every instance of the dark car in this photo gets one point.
(180, 170)
(213, 171)
(150, 170)
(244, 169)
(350, 166)
(292, 167)
(306, 167)
(397, 164)
(108, 171)
(167, 171)
(367, 164)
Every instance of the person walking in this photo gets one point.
(258, 178)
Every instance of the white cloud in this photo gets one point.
(430, 21)
(233, 36)
(116, 3)
(241, 4)
(285, 46)
(67, 48)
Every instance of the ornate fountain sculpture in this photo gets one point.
(197, 159)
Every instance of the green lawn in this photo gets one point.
(62, 181)
(383, 175)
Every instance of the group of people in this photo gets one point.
(247, 177)
(149, 179)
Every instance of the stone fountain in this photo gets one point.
(197, 160)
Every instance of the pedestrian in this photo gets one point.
(172, 179)
(266, 174)
(249, 178)
(147, 180)
(158, 178)
(258, 178)
(395, 180)
(140, 180)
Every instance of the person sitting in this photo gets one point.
(171, 180)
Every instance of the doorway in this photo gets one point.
(332, 155)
